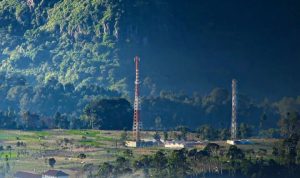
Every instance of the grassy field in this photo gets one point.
(65, 146)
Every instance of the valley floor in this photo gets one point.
(30, 150)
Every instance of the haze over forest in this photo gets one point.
(58, 56)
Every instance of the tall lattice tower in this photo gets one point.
(234, 110)
(137, 103)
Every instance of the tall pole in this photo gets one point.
(234, 110)
(137, 102)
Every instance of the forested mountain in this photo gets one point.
(59, 56)
(71, 41)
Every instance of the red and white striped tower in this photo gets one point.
(30, 3)
(137, 102)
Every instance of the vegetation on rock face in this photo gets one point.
(71, 41)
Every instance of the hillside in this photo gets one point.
(57, 56)
(71, 41)
(190, 46)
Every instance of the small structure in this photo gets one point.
(239, 142)
(232, 142)
(23, 174)
(174, 144)
(142, 143)
(55, 174)
(132, 144)
(182, 144)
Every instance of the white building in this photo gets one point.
(132, 144)
(174, 144)
(183, 144)
(231, 142)
(142, 143)
(55, 174)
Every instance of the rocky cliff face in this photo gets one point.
(89, 41)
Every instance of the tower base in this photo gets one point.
(232, 142)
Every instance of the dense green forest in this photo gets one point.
(61, 66)
(71, 41)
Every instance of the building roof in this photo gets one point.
(55, 173)
(174, 142)
(22, 174)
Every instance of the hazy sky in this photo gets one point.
(255, 41)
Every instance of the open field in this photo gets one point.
(65, 146)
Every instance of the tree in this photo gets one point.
(290, 124)
(212, 149)
(122, 166)
(82, 156)
(105, 170)
(31, 121)
(8, 119)
(262, 152)
(206, 132)
(234, 153)
(244, 131)
(159, 160)
(177, 163)
(250, 152)
(158, 124)
(7, 164)
(51, 162)
(61, 121)
(166, 135)
(270, 133)
(290, 145)
(262, 119)
(183, 131)
(128, 153)
(143, 163)
(109, 114)
(123, 137)
(224, 134)
(275, 151)
(9, 148)
(156, 136)
(192, 153)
